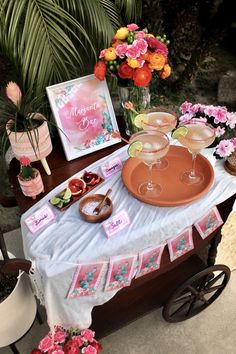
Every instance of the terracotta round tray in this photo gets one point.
(174, 192)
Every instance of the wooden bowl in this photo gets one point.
(88, 204)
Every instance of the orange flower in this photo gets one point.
(142, 76)
(133, 63)
(110, 54)
(100, 70)
(156, 61)
(125, 71)
(165, 72)
(116, 42)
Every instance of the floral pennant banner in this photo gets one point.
(208, 223)
(149, 260)
(86, 279)
(120, 273)
(181, 244)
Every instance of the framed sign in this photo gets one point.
(84, 115)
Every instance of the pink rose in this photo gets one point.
(140, 35)
(96, 345)
(132, 27)
(46, 343)
(89, 350)
(87, 334)
(158, 46)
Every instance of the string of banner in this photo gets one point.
(121, 269)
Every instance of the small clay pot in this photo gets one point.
(32, 187)
(230, 164)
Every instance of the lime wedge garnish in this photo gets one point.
(55, 200)
(139, 119)
(67, 194)
(134, 147)
(180, 131)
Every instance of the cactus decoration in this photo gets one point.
(26, 171)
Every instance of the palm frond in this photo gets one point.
(130, 9)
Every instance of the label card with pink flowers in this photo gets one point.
(209, 223)
(84, 115)
(180, 244)
(86, 279)
(149, 260)
(120, 272)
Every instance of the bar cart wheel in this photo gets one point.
(196, 293)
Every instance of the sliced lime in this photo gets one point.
(180, 131)
(134, 148)
(60, 204)
(139, 119)
(66, 201)
(67, 194)
(55, 200)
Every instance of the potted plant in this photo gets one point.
(29, 179)
(26, 128)
(70, 341)
(226, 149)
(17, 303)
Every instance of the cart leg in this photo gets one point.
(213, 249)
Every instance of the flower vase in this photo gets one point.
(139, 97)
(230, 164)
(32, 187)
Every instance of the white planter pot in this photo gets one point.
(21, 144)
(17, 311)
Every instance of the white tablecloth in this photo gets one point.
(56, 251)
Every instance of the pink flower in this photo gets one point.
(158, 46)
(13, 92)
(132, 51)
(71, 347)
(194, 109)
(121, 50)
(185, 118)
(88, 335)
(46, 343)
(102, 53)
(140, 35)
(24, 161)
(79, 340)
(220, 115)
(233, 141)
(219, 131)
(210, 111)
(231, 120)
(132, 27)
(225, 148)
(89, 350)
(57, 351)
(141, 44)
(59, 336)
(185, 107)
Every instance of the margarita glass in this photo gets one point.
(195, 136)
(149, 146)
(159, 121)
